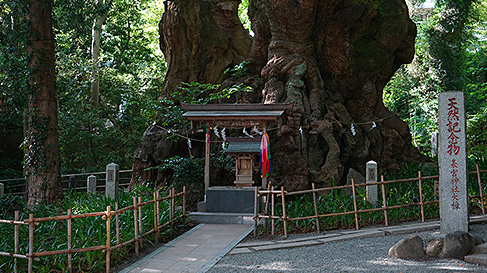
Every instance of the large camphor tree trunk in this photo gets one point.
(42, 159)
(332, 59)
(199, 39)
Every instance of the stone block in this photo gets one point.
(457, 245)
(254, 244)
(202, 206)
(2, 189)
(230, 200)
(410, 247)
(452, 159)
(91, 184)
(357, 177)
(240, 251)
(289, 245)
(477, 259)
(371, 177)
(112, 177)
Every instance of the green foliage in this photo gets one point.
(239, 70)
(86, 232)
(131, 71)
(477, 131)
(450, 55)
(243, 14)
(186, 172)
(10, 203)
(131, 74)
(13, 63)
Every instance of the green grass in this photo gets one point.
(86, 232)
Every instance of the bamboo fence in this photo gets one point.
(107, 215)
(271, 193)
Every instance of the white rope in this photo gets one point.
(247, 134)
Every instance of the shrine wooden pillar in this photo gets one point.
(207, 160)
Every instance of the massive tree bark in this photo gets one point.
(42, 136)
(332, 59)
(200, 39)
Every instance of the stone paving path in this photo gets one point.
(195, 251)
(203, 246)
(342, 235)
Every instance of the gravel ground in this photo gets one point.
(357, 255)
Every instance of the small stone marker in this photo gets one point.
(371, 177)
(112, 175)
(434, 144)
(2, 189)
(452, 159)
(91, 184)
(72, 183)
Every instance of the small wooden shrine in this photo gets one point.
(245, 151)
(237, 116)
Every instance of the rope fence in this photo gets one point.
(109, 215)
(270, 195)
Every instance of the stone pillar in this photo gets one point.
(371, 177)
(72, 183)
(452, 159)
(91, 184)
(2, 189)
(112, 175)
(434, 144)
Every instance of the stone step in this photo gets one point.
(481, 249)
(221, 218)
(476, 259)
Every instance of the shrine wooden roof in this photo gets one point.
(243, 145)
(254, 111)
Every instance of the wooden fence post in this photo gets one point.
(141, 241)
(273, 222)
(355, 205)
(136, 231)
(480, 189)
(420, 184)
(117, 224)
(284, 216)
(70, 255)
(16, 240)
(173, 204)
(156, 216)
(256, 195)
(384, 200)
(266, 209)
(31, 243)
(107, 247)
(184, 200)
(316, 209)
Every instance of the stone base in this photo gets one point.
(230, 199)
(221, 218)
(202, 206)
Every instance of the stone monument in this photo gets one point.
(91, 184)
(434, 144)
(371, 177)
(452, 159)
(112, 174)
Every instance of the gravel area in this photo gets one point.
(357, 255)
